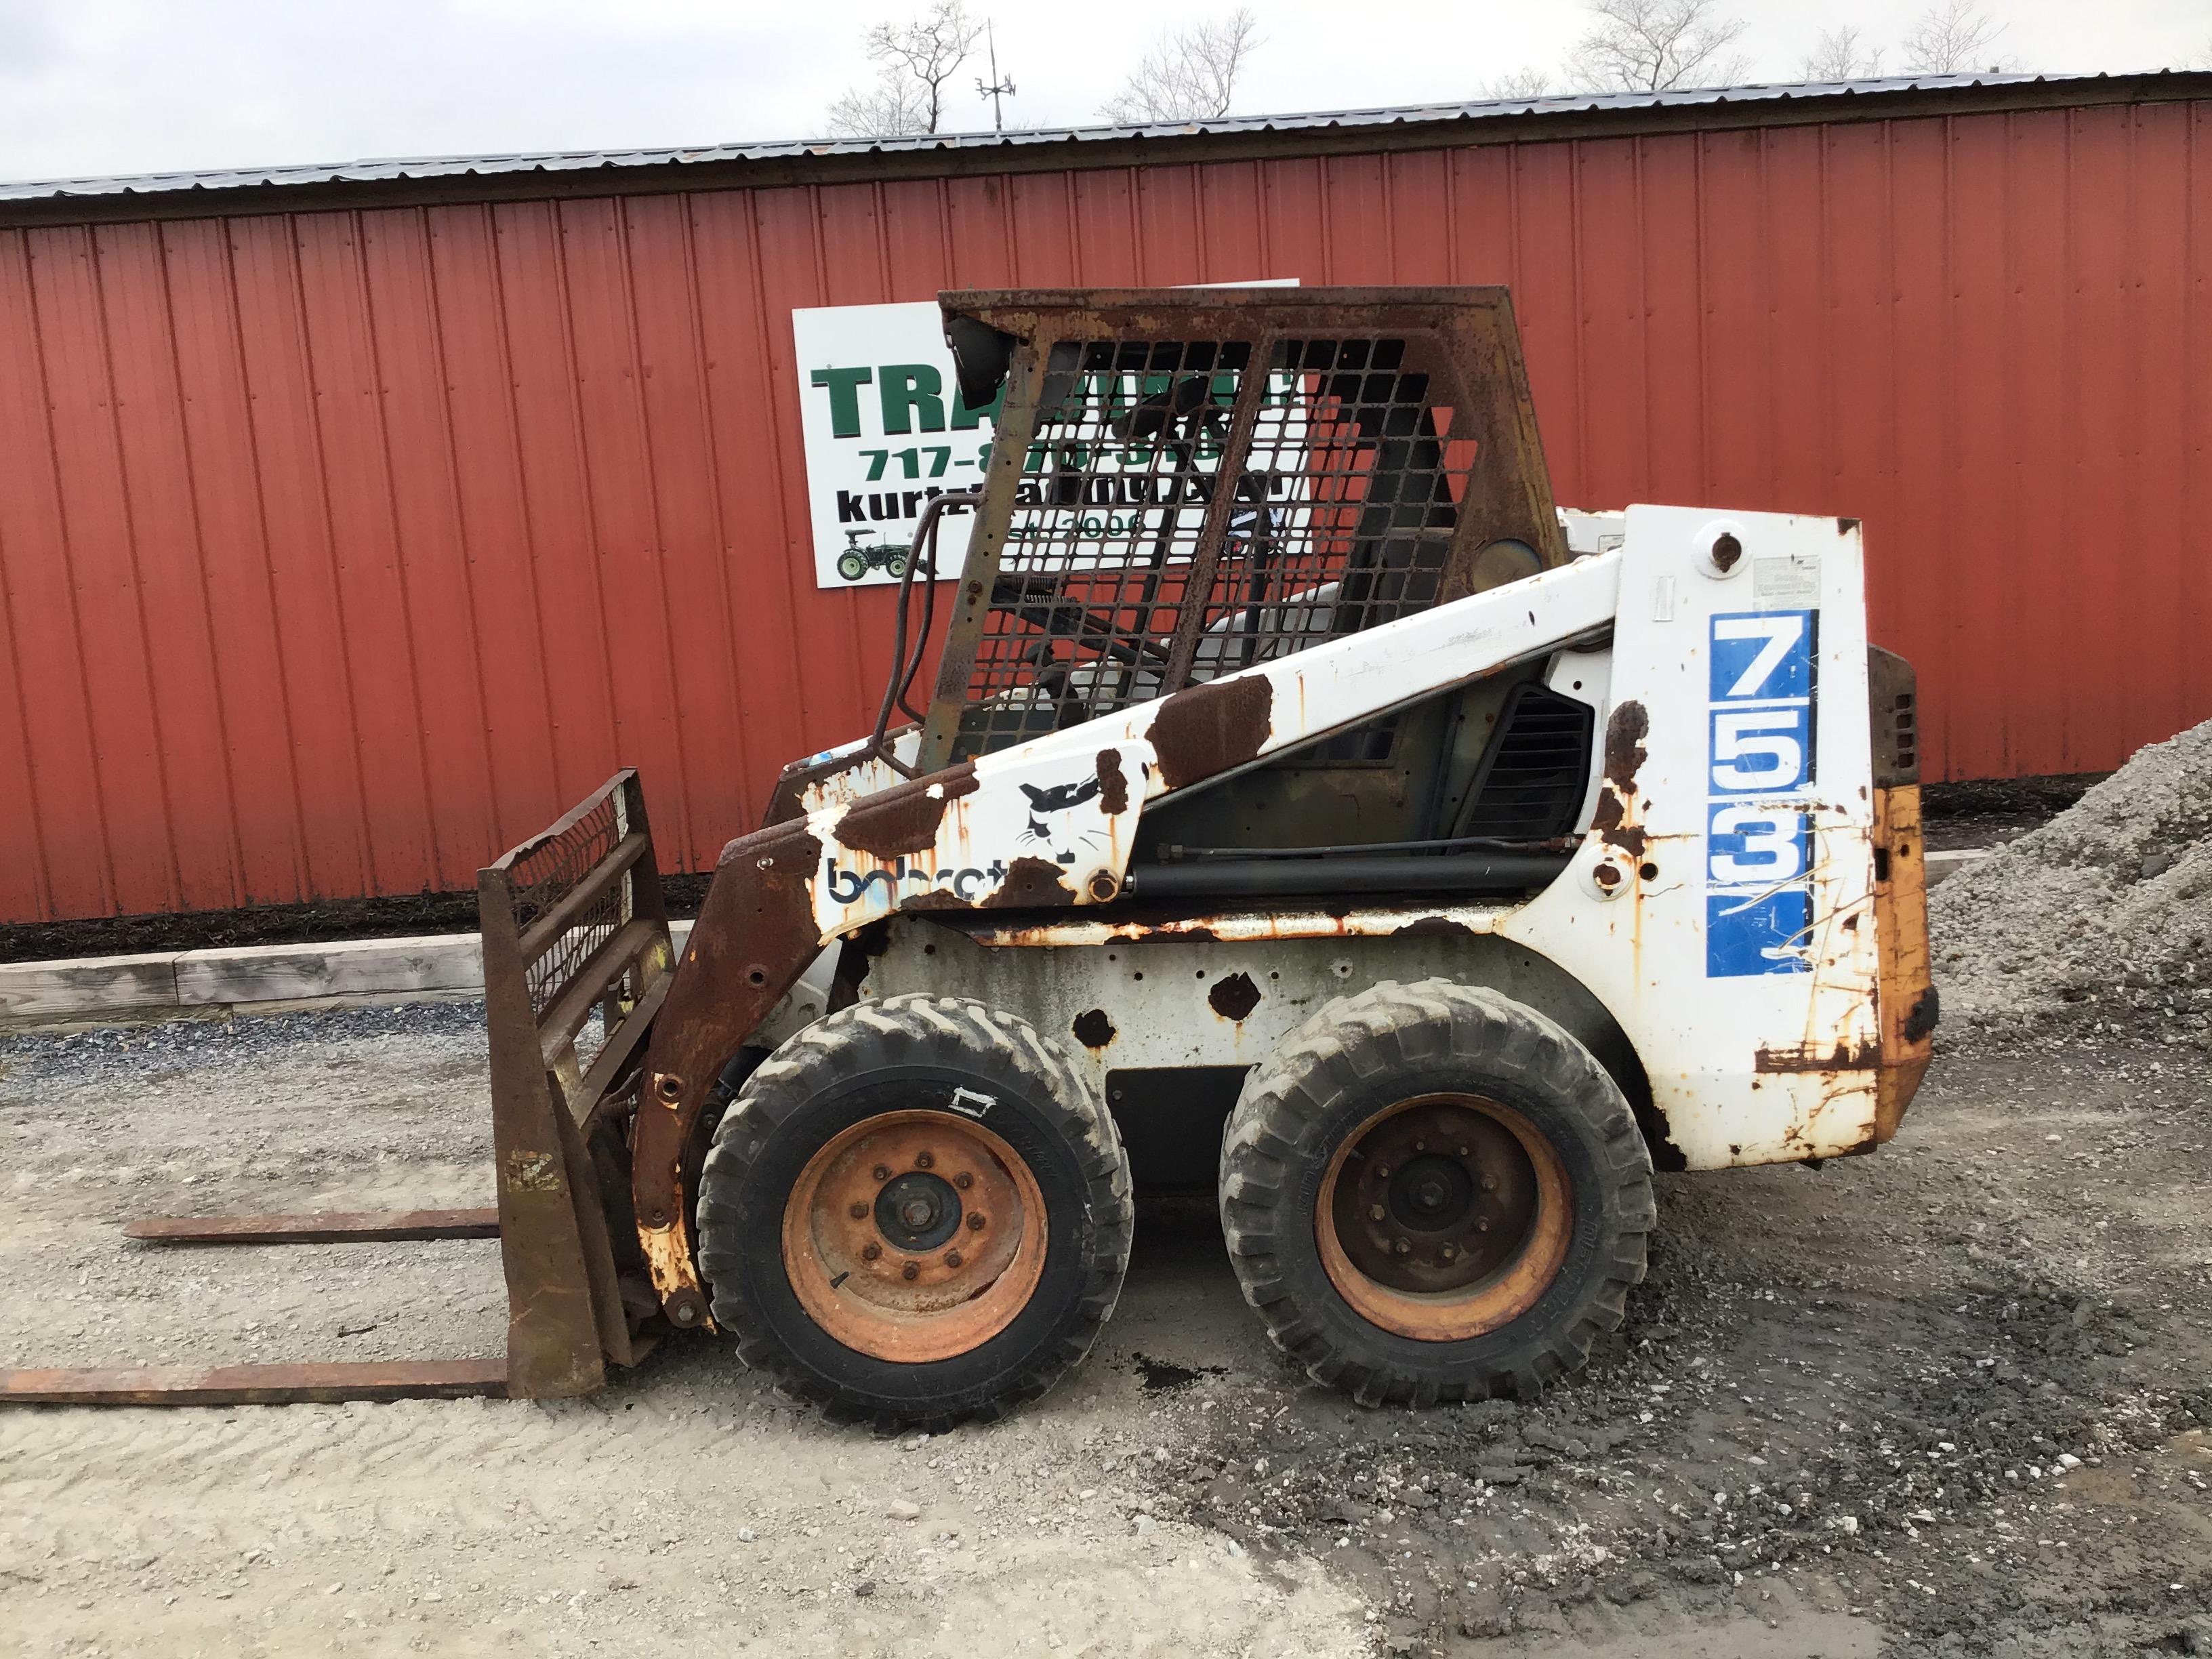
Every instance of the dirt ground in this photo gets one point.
(1951, 1398)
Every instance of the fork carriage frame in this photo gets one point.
(574, 924)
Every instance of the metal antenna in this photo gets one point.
(998, 90)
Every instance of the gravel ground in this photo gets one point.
(1951, 1398)
(2100, 920)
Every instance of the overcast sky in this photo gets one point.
(123, 86)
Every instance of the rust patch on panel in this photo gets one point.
(937, 898)
(1625, 753)
(1920, 1018)
(1094, 1028)
(1433, 928)
(1234, 996)
(1617, 815)
(1113, 786)
(1810, 1057)
(906, 817)
(1030, 883)
(1208, 729)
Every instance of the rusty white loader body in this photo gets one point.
(1307, 811)
(1719, 904)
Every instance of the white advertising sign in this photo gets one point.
(883, 430)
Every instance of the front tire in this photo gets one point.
(1433, 1193)
(916, 1212)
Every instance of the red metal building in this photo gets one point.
(353, 521)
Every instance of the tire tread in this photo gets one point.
(1360, 1037)
(911, 1026)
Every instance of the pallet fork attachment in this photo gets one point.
(574, 923)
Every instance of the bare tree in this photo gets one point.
(1188, 75)
(1841, 55)
(2203, 59)
(914, 60)
(1953, 38)
(1655, 45)
(1516, 84)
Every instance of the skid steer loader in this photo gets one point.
(1305, 809)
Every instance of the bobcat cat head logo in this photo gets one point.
(1062, 797)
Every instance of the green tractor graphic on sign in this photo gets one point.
(856, 560)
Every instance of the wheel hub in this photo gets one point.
(1435, 1197)
(1430, 1194)
(917, 1210)
(913, 1236)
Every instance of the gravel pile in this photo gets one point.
(2100, 920)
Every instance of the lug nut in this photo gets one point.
(924, 1160)
(1420, 1146)
(858, 1210)
(952, 1258)
(1381, 1172)
(964, 1181)
(975, 1221)
(1449, 1252)
(1462, 1151)
(1404, 1246)
(1376, 1213)
(869, 1252)
(912, 1270)
(1483, 1225)
(882, 1172)
(1490, 1184)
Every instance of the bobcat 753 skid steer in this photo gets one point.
(1306, 809)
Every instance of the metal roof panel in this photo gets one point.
(438, 166)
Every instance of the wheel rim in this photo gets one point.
(914, 1236)
(1444, 1217)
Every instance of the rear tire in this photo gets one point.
(977, 1156)
(1503, 1241)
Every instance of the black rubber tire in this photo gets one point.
(908, 1054)
(1362, 1054)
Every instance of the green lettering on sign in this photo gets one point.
(912, 392)
(844, 387)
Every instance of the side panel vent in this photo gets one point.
(1892, 700)
(1530, 783)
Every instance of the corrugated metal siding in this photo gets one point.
(339, 551)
